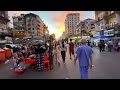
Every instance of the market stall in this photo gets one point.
(2, 55)
(8, 53)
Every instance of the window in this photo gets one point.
(33, 28)
(19, 19)
(29, 31)
(15, 20)
(92, 27)
(28, 28)
(28, 24)
(102, 27)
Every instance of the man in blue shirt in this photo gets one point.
(84, 54)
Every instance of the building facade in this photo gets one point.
(71, 22)
(86, 27)
(32, 24)
(19, 26)
(46, 32)
(107, 23)
(4, 23)
(28, 25)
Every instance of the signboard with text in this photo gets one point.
(109, 32)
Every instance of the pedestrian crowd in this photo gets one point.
(55, 51)
(110, 46)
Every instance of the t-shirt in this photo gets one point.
(71, 46)
(84, 53)
(63, 48)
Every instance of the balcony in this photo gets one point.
(109, 14)
(99, 19)
(5, 32)
(109, 26)
(117, 26)
(38, 24)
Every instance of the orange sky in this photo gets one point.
(59, 20)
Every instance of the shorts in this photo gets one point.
(72, 52)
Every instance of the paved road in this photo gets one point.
(106, 66)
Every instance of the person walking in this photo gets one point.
(63, 51)
(84, 54)
(110, 46)
(57, 53)
(103, 45)
(100, 46)
(71, 48)
(50, 53)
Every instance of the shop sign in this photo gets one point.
(109, 32)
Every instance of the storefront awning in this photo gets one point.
(102, 36)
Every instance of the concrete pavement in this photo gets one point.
(106, 66)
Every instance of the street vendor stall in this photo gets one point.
(8, 52)
(2, 55)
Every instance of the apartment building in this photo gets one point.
(4, 23)
(19, 26)
(86, 26)
(71, 21)
(32, 24)
(107, 23)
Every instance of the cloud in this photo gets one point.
(60, 19)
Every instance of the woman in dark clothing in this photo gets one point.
(100, 46)
(50, 52)
(63, 51)
(103, 45)
(39, 57)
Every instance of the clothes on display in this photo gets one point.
(39, 62)
(39, 58)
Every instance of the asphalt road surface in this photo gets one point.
(106, 66)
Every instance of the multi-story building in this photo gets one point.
(4, 23)
(86, 26)
(107, 23)
(32, 24)
(19, 26)
(71, 22)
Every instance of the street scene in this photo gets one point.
(59, 44)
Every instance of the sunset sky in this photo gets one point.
(54, 19)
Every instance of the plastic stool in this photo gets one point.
(48, 65)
